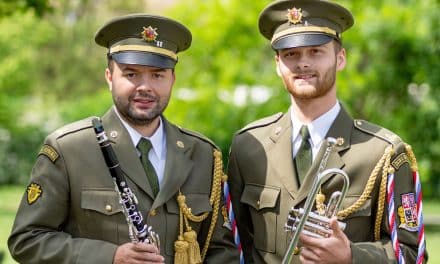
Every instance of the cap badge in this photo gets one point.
(149, 34)
(294, 15)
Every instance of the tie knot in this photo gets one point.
(144, 145)
(304, 131)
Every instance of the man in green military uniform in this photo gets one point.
(270, 167)
(70, 212)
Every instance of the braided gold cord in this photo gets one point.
(368, 188)
(382, 194)
(215, 198)
(181, 199)
(412, 157)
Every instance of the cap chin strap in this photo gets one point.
(151, 49)
(311, 29)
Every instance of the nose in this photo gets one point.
(303, 61)
(144, 84)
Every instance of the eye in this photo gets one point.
(130, 75)
(157, 75)
(290, 53)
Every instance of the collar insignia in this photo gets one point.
(180, 144)
(34, 192)
(294, 15)
(149, 34)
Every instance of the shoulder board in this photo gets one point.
(377, 131)
(197, 135)
(261, 122)
(74, 127)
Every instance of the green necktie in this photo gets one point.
(303, 159)
(144, 147)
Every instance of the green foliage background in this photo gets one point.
(52, 72)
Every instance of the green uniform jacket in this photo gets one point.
(78, 219)
(263, 187)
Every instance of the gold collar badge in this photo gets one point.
(149, 34)
(34, 192)
(294, 15)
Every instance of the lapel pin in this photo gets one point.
(180, 144)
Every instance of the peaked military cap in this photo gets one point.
(144, 39)
(299, 23)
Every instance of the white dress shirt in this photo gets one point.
(158, 152)
(318, 129)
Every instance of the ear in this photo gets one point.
(340, 60)
(109, 78)
(277, 61)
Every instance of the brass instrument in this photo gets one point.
(316, 224)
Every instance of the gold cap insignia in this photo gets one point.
(34, 192)
(180, 144)
(294, 15)
(149, 34)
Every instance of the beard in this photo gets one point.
(319, 86)
(140, 117)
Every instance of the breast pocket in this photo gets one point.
(103, 217)
(199, 204)
(360, 223)
(263, 203)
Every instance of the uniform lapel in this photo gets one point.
(341, 130)
(280, 145)
(125, 151)
(178, 163)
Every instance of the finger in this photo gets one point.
(307, 255)
(337, 231)
(308, 241)
(146, 247)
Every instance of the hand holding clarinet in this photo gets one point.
(145, 243)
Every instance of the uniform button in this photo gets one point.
(258, 204)
(108, 208)
(153, 212)
(359, 123)
(114, 134)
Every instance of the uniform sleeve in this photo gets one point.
(38, 232)
(406, 223)
(241, 210)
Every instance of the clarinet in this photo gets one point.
(138, 230)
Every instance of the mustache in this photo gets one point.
(144, 95)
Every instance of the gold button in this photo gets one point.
(108, 208)
(114, 134)
(153, 212)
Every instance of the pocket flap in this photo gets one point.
(104, 201)
(260, 196)
(199, 204)
(364, 210)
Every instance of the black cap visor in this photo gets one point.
(301, 40)
(144, 58)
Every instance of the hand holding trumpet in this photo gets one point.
(332, 249)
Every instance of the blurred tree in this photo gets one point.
(9, 7)
(51, 72)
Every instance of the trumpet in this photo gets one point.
(316, 224)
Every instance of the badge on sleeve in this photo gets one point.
(34, 192)
(408, 212)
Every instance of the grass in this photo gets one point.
(11, 196)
